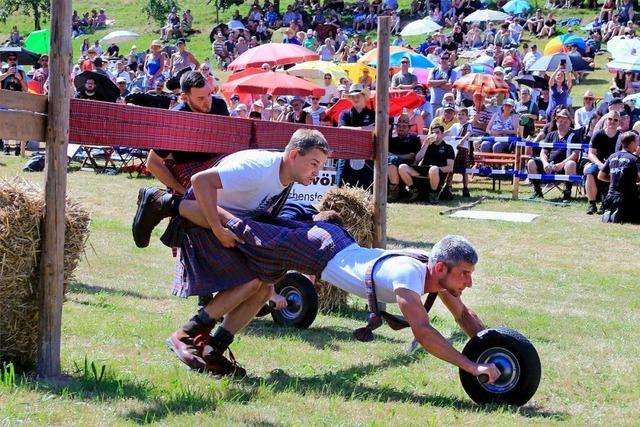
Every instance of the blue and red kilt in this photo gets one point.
(273, 248)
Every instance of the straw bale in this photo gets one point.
(355, 207)
(21, 217)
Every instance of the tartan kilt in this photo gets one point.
(464, 158)
(273, 248)
(183, 171)
(205, 266)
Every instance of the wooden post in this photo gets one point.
(52, 256)
(381, 135)
(516, 178)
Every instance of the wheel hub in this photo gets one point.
(294, 303)
(508, 365)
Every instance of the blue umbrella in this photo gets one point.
(551, 62)
(517, 7)
(416, 60)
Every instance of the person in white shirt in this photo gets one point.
(530, 57)
(330, 90)
(315, 110)
(583, 115)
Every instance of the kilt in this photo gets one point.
(205, 266)
(183, 171)
(273, 248)
(464, 158)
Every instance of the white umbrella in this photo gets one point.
(630, 63)
(120, 36)
(621, 46)
(419, 27)
(486, 15)
(235, 25)
(634, 97)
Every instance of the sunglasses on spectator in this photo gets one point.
(315, 98)
(404, 62)
(588, 98)
(613, 120)
(327, 77)
(12, 58)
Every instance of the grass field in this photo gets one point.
(566, 281)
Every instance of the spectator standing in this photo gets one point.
(153, 64)
(41, 75)
(622, 171)
(327, 50)
(528, 112)
(559, 89)
(503, 123)
(440, 81)
(182, 59)
(330, 90)
(403, 79)
(584, 114)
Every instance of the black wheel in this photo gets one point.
(516, 358)
(302, 298)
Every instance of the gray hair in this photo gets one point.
(453, 250)
(305, 140)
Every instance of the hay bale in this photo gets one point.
(21, 216)
(355, 206)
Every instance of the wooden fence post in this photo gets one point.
(52, 256)
(381, 135)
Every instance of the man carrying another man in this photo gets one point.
(250, 183)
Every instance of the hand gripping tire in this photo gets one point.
(516, 358)
(302, 298)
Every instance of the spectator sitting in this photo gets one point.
(172, 27)
(548, 27)
(295, 113)
(464, 155)
(113, 51)
(446, 118)
(315, 110)
(622, 171)
(310, 41)
(327, 50)
(99, 66)
(528, 112)
(14, 37)
(556, 160)
(584, 114)
(241, 111)
(88, 91)
(434, 160)
(602, 145)
(101, 20)
(187, 22)
(403, 147)
(503, 123)
(121, 82)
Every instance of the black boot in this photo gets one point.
(153, 206)
(212, 354)
(537, 190)
(566, 194)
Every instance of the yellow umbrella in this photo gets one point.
(278, 35)
(317, 69)
(355, 70)
(372, 55)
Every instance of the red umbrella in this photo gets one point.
(244, 73)
(486, 83)
(273, 54)
(398, 101)
(274, 84)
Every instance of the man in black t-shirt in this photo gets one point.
(602, 145)
(622, 171)
(556, 160)
(402, 150)
(357, 172)
(435, 161)
(175, 168)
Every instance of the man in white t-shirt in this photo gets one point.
(250, 183)
(326, 249)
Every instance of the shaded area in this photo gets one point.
(410, 243)
(320, 337)
(83, 288)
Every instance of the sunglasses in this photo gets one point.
(612, 119)
(12, 59)
(315, 99)
(327, 77)
(586, 98)
(404, 62)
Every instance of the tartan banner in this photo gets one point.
(345, 143)
(104, 123)
(96, 123)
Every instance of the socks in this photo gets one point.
(199, 323)
(218, 343)
(171, 202)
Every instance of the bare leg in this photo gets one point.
(226, 301)
(238, 318)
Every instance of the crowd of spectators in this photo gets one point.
(429, 143)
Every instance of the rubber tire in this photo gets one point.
(525, 353)
(309, 297)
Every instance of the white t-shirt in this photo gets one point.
(329, 92)
(315, 115)
(250, 182)
(348, 268)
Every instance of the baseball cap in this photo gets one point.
(241, 107)
(563, 113)
(449, 107)
(181, 41)
(98, 62)
(498, 70)
(121, 80)
(509, 101)
(235, 96)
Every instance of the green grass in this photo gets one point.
(565, 280)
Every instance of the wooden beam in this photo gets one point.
(381, 135)
(23, 101)
(52, 257)
(23, 126)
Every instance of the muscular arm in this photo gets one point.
(432, 341)
(466, 318)
(162, 173)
